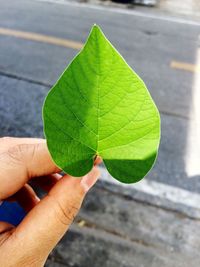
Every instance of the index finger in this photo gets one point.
(22, 161)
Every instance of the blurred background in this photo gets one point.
(155, 222)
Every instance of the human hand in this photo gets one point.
(30, 243)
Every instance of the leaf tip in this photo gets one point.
(96, 28)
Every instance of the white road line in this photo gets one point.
(192, 160)
(163, 191)
(124, 11)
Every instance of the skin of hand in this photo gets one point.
(47, 219)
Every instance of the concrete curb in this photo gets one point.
(180, 203)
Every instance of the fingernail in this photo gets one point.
(90, 179)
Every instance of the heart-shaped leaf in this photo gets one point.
(100, 107)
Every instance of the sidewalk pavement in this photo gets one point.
(186, 8)
(119, 230)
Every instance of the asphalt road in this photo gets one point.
(150, 45)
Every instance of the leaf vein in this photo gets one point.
(132, 142)
(125, 124)
(67, 106)
(55, 124)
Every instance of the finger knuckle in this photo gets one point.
(22, 152)
(16, 153)
(67, 214)
(33, 148)
(6, 139)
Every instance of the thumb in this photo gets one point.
(45, 225)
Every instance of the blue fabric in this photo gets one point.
(11, 212)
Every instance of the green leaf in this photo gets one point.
(99, 106)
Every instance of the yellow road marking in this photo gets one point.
(78, 45)
(41, 38)
(185, 66)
